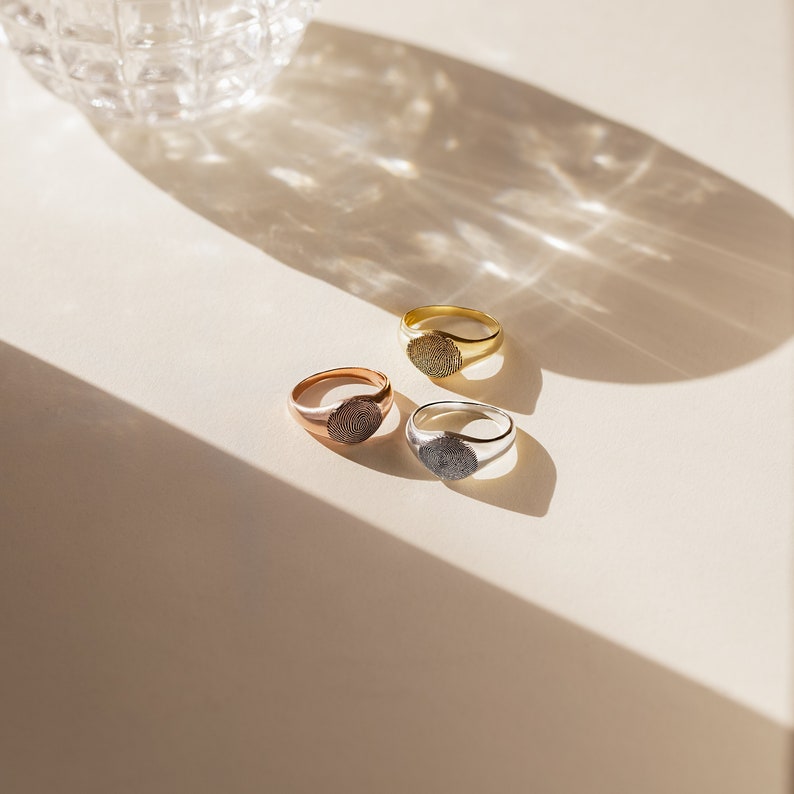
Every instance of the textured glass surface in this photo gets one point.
(155, 60)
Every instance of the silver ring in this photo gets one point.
(453, 456)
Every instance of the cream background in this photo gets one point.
(653, 516)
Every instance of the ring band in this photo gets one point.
(348, 421)
(439, 354)
(453, 456)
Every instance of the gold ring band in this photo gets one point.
(438, 353)
(348, 421)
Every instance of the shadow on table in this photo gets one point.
(179, 621)
(407, 177)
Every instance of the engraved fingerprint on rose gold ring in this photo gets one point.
(355, 420)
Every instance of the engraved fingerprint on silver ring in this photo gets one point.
(435, 354)
(449, 458)
(355, 420)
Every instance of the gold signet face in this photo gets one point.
(435, 354)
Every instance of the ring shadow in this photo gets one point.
(515, 387)
(385, 452)
(407, 177)
(527, 488)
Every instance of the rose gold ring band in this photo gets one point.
(347, 421)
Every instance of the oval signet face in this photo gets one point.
(354, 420)
(435, 355)
(449, 458)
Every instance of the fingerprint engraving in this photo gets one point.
(354, 420)
(448, 458)
(435, 354)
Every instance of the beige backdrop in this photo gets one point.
(196, 595)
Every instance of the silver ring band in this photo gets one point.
(453, 456)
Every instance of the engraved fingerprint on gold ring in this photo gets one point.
(449, 458)
(354, 420)
(435, 354)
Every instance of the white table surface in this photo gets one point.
(196, 595)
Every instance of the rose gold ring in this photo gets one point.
(346, 421)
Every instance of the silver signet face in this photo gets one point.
(449, 458)
(435, 354)
(355, 420)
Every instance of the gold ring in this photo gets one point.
(439, 353)
(346, 421)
